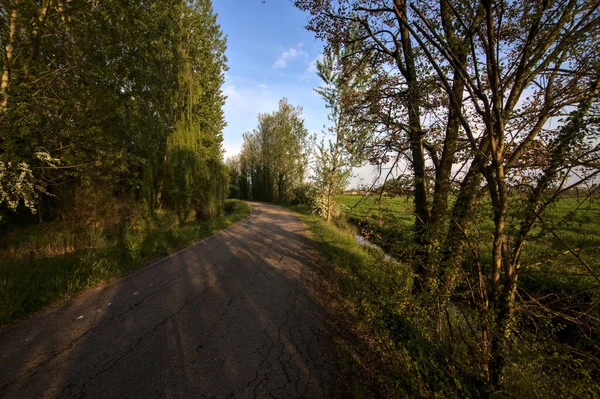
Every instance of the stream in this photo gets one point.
(363, 242)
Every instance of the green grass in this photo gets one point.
(393, 349)
(382, 353)
(355, 206)
(569, 224)
(28, 285)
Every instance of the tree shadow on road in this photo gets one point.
(232, 316)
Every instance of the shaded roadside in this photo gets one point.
(232, 316)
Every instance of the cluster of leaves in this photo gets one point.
(18, 185)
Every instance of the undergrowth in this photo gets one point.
(389, 344)
(31, 283)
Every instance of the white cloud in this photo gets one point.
(230, 151)
(310, 73)
(244, 103)
(229, 90)
(289, 55)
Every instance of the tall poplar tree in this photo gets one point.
(111, 99)
(274, 156)
(193, 159)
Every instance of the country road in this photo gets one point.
(232, 316)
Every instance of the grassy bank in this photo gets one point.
(29, 284)
(380, 352)
(389, 345)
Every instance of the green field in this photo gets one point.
(358, 206)
(561, 256)
(569, 224)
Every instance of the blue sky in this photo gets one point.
(270, 56)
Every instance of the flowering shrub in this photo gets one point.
(303, 193)
(320, 205)
(18, 184)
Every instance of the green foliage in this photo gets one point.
(111, 119)
(303, 194)
(273, 159)
(120, 96)
(88, 257)
(332, 162)
(194, 174)
(391, 345)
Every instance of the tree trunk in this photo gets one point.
(501, 304)
(416, 134)
(455, 242)
(329, 206)
(418, 165)
(37, 34)
(280, 187)
(334, 170)
(439, 208)
(8, 58)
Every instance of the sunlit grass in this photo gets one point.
(357, 206)
(380, 348)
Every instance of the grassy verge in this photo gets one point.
(380, 351)
(390, 346)
(29, 285)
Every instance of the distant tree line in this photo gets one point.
(112, 99)
(274, 157)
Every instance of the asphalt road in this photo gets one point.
(232, 316)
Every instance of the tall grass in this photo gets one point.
(30, 283)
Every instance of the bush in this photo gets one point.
(304, 194)
(319, 205)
